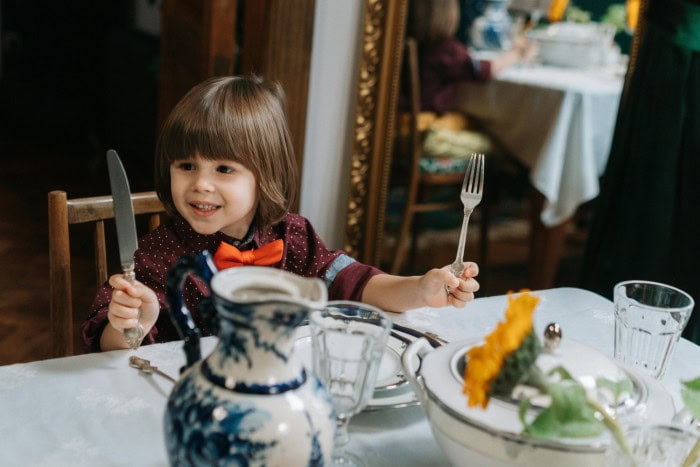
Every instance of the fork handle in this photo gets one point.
(458, 265)
(155, 370)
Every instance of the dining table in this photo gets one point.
(94, 409)
(559, 123)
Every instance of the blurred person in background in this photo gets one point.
(647, 219)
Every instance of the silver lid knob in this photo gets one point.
(552, 336)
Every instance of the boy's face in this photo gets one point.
(214, 195)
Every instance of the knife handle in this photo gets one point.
(129, 275)
(133, 336)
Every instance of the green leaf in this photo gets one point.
(690, 392)
(616, 15)
(522, 411)
(577, 15)
(517, 366)
(617, 388)
(693, 384)
(562, 372)
(568, 416)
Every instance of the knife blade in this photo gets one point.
(126, 231)
(432, 339)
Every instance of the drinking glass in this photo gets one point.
(348, 340)
(649, 320)
(659, 445)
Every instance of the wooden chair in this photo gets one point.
(64, 212)
(422, 183)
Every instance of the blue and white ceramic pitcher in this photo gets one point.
(250, 402)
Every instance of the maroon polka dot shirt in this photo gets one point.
(304, 254)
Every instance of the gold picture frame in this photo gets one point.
(382, 38)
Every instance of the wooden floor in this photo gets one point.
(29, 173)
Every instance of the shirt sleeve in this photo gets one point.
(91, 329)
(156, 255)
(308, 256)
(94, 325)
(349, 278)
(482, 70)
(443, 67)
(456, 64)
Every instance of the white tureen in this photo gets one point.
(573, 45)
(492, 436)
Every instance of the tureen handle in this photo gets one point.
(411, 360)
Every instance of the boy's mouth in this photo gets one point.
(204, 209)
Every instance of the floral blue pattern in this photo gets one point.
(202, 429)
(251, 402)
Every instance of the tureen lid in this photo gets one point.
(442, 374)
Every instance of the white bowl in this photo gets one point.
(492, 436)
(573, 45)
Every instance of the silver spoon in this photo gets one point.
(145, 366)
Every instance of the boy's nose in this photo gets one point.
(202, 182)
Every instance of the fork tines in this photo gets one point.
(474, 176)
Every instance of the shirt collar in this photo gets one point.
(200, 242)
(265, 235)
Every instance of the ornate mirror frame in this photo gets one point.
(377, 93)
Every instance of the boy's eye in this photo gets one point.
(186, 166)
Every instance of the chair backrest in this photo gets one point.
(417, 199)
(412, 78)
(64, 212)
(411, 83)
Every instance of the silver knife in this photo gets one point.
(126, 231)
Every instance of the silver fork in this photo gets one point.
(472, 191)
(145, 366)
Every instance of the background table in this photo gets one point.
(559, 123)
(96, 410)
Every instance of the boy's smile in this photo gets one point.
(204, 209)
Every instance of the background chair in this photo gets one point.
(428, 175)
(64, 212)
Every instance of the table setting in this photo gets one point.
(567, 377)
(97, 409)
(588, 408)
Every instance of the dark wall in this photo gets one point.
(79, 79)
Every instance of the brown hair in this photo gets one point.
(239, 118)
(434, 20)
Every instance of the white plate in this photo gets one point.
(391, 389)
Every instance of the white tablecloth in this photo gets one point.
(95, 410)
(558, 122)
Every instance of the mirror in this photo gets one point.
(377, 93)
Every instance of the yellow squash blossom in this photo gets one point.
(632, 7)
(485, 362)
(556, 10)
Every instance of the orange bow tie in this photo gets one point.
(228, 256)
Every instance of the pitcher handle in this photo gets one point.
(201, 265)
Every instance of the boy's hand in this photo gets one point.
(126, 301)
(527, 49)
(440, 287)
